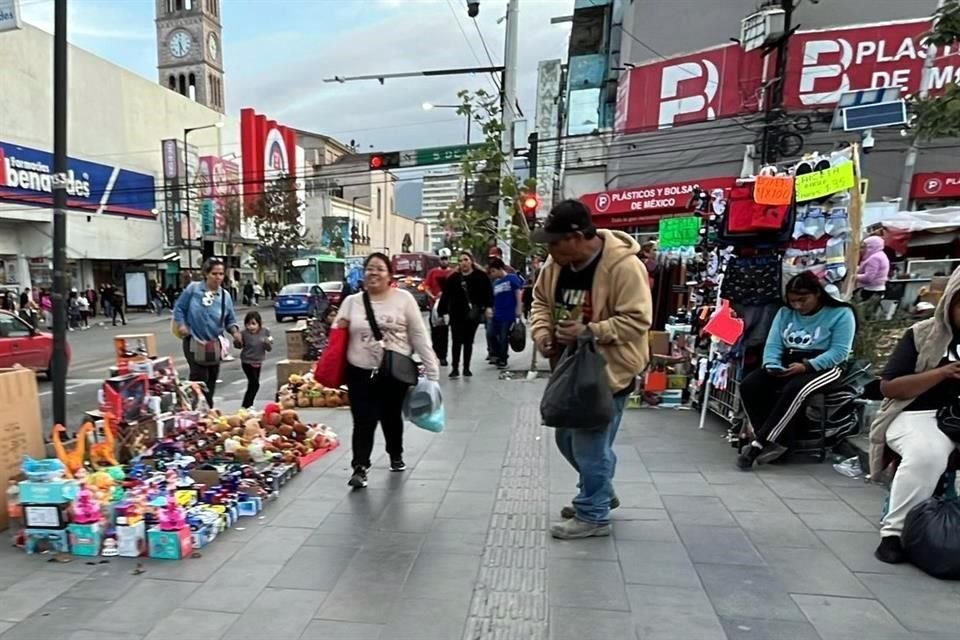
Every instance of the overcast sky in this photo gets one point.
(277, 53)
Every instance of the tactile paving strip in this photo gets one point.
(510, 599)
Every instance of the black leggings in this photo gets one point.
(372, 400)
(200, 373)
(463, 334)
(252, 371)
(772, 402)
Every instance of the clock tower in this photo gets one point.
(190, 51)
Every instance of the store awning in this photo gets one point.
(646, 204)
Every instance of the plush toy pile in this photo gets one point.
(304, 392)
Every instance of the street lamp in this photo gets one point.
(186, 180)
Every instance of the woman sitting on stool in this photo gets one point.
(809, 341)
(921, 377)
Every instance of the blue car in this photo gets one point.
(300, 301)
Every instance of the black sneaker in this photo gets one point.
(397, 464)
(443, 362)
(454, 373)
(890, 550)
(359, 478)
(467, 373)
(746, 459)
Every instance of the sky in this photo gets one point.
(277, 53)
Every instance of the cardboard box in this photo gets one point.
(56, 492)
(86, 539)
(296, 344)
(135, 346)
(170, 545)
(45, 516)
(21, 433)
(286, 368)
(47, 541)
(659, 343)
(132, 540)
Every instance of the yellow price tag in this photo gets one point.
(824, 183)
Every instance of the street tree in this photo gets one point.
(276, 219)
(939, 116)
(471, 223)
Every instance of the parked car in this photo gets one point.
(333, 291)
(416, 287)
(300, 301)
(21, 344)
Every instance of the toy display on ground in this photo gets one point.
(302, 391)
(157, 473)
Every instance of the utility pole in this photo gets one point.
(910, 160)
(508, 105)
(775, 103)
(60, 169)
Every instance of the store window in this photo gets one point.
(192, 88)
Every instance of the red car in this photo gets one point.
(22, 344)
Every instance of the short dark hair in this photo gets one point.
(378, 255)
(253, 316)
(496, 263)
(210, 263)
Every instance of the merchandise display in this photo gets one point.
(165, 475)
(302, 391)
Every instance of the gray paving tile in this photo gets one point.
(736, 590)
(340, 530)
(778, 528)
(816, 571)
(472, 479)
(701, 510)
(920, 603)
(106, 582)
(190, 623)
(333, 630)
(398, 541)
(723, 474)
(749, 498)
(867, 501)
(829, 515)
(303, 513)
(100, 635)
(656, 563)
(442, 576)
(199, 569)
(236, 584)
(718, 545)
(797, 486)
(432, 469)
(588, 584)
(855, 550)
(422, 490)
(843, 618)
(5, 625)
(139, 609)
(408, 517)
(457, 535)
(681, 484)
(352, 601)
(282, 542)
(669, 613)
(588, 549)
(638, 495)
(368, 503)
(425, 619)
(466, 504)
(314, 568)
(277, 613)
(578, 624)
(34, 591)
(740, 628)
(652, 530)
(56, 620)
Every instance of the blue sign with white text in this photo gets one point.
(26, 176)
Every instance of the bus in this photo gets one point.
(417, 265)
(313, 269)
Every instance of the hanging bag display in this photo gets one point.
(398, 366)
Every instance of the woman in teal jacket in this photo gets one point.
(808, 343)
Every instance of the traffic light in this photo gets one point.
(529, 204)
(382, 161)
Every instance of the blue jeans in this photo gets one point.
(501, 339)
(590, 452)
(491, 338)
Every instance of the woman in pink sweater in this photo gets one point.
(874, 269)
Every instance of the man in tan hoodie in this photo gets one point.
(592, 280)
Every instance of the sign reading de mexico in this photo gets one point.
(269, 151)
(26, 176)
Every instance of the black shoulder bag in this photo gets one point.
(400, 367)
(474, 313)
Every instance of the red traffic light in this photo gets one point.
(384, 161)
(376, 162)
(529, 203)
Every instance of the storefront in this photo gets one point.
(933, 190)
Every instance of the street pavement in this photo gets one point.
(457, 548)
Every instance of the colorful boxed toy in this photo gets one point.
(132, 540)
(47, 541)
(126, 396)
(55, 492)
(86, 539)
(45, 516)
(170, 545)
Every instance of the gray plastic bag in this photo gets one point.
(578, 395)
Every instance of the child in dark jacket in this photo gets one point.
(257, 341)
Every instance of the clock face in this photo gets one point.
(180, 43)
(212, 46)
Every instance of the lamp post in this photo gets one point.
(429, 106)
(186, 181)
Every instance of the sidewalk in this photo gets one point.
(456, 548)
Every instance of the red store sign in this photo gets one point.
(710, 84)
(269, 150)
(645, 205)
(822, 65)
(929, 186)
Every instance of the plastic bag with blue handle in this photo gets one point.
(423, 406)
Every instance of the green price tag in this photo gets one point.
(679, 232)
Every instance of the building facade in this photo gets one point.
(442, 188)
(190, 50)
(677, 102)
(114, 222)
